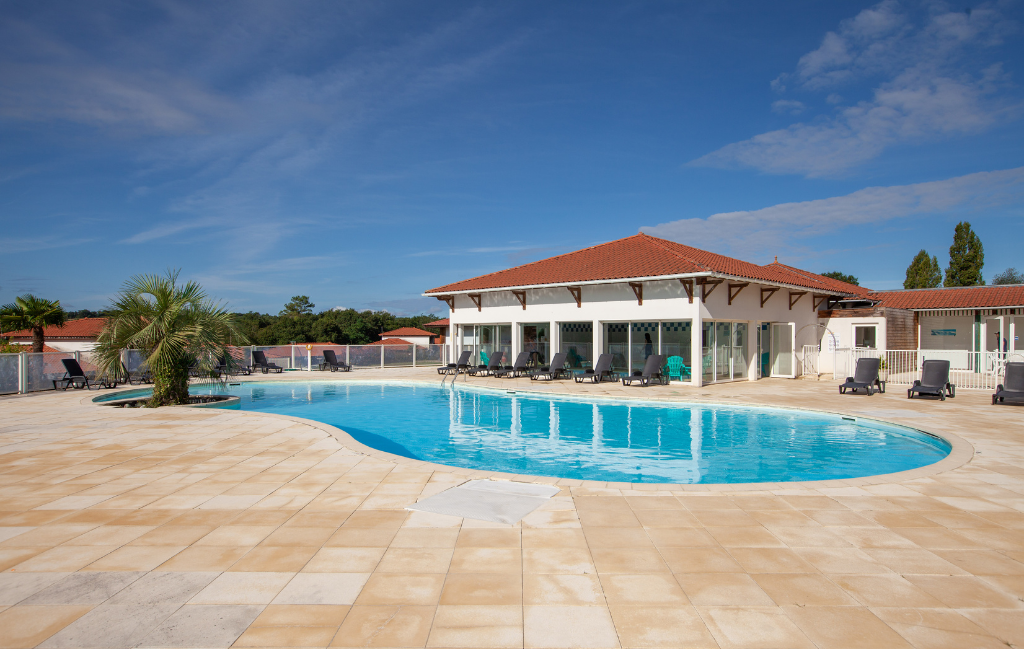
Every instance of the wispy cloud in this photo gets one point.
(786, 227)
(45, 242)
(932, 86)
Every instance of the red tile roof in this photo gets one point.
(642, 255)
(407, 331)
(390, 341)
(82, 329)
(969, 297)
(443, 322)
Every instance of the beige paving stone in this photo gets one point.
(750, 626)
(382, 588)
(416, 560)
(562, 590)
(65, 558)
(243, 588)
(204, 558)
(645, 589)
(27, 626)
(277, 559)
(661, 626)
(585, 627)
(803, 590)
(938, 628)
(722, 589)
(964, 592)
(684, 560)
(477, 626)
(318, 615)
(482, 588)
(467, 559)
(846, 627)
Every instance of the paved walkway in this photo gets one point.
(203, 528)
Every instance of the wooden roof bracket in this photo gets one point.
(577, 294)
(793, 300)
(738, 288)
(766, 294)
(447, 299)
(521, 296)
(476, 300)
(638, 291)
(688, 287)
(817, 301)
(704, 283)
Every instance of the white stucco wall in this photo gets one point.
(422, 341)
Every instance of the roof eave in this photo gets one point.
(649, 278)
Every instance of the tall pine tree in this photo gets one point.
(966, 258)
(923, 272)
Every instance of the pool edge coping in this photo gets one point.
(961, 451)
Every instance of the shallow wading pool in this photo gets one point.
(596, 439)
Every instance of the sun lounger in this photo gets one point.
(519, 368)
(554, 371)
(934, 381)
(461, 365)
(493, 365)
(331, 360)
(1012, 386)
(602, 371)
(651, 372)
(259, 360)
(864, 377)
(135, 378)
(74, 377)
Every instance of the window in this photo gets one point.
(864, 336)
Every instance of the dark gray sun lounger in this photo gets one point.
(259, 360)
(1012, 386)
(864, 377)
(493, 365)
(135, 378)
(331, 360)
(554, 371)
(934, 381)
(519, 368)
(462, 365)
(601, 371)
(74, 377)
(651, 372)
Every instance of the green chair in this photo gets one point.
(677, 368)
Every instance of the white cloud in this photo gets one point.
(783, 227)
(788, 107)
(931, 88)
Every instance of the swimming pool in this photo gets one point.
(592, 439)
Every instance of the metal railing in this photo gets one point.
(967, 370)
(28, 372)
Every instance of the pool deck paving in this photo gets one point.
(184, 527)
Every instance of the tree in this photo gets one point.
(923, 272)
(842, 277)
(1009, 276)
(966, 258)
(173, 326)
(31, 312)
(299, 305)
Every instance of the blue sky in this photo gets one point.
(361, 153)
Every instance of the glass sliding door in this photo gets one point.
(723, 351)
(536, 342)
(486, 336)
(643, 343)
(739, 351)
(577, 342)
(782, 349)
(707, 348)
(616, 343)
(676, 344)
(505, 343)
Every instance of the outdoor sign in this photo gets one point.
(833, 341)
(943, 332)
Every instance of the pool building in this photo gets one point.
(727, 319)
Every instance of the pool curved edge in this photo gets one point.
(961, 452)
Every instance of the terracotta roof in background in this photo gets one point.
(968, 297)
(82, 328)
(642, 255)
(390, 341)
(407, 331)
(443, 322)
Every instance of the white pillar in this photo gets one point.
(696, 355)
(553, 342)
(598, 338)
(382, 357)
(517, 337)
(752, 359)
(292, 364)
(22, 373)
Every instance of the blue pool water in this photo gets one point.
(599, 439)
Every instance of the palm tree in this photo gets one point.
(31, 312)
(173, 326)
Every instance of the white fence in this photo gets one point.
(967, 370)
(28, 372)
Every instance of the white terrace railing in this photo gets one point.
(967, 370)
(27, 372)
